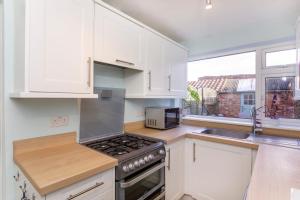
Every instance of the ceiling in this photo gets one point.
(230, 24)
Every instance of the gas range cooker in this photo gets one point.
(133, 152)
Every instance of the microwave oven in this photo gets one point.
(161, 117)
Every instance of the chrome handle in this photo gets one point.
(160, 196)
(85, 191)
(144, 175)
(149, 74)
(169, 77)
(194, 152)
(90, 62)
(169, 159)
(125, 62)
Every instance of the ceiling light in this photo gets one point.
(208, 4)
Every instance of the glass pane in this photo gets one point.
(142, 187)
(222, 86)
(280, 101)
(281, 58)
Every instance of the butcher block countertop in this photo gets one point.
(276, 170)
(54, 162)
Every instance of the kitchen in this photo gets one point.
(122, 46)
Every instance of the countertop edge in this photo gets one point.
(69, 181)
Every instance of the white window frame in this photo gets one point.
(264, 72)
(275, 49)
(261, 73)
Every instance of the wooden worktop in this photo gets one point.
(276, 169)
(184, 131)
(54, 162)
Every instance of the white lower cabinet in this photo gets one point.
(98, 187)
(175, 170)
(216, 171)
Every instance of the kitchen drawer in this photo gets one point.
(87, 189)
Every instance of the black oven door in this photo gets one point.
(142, 185)
(171, 117)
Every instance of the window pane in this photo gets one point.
(281, 58)
(280, 101)
(222, 86)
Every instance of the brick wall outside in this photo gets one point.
(229, 104)
(287, 107)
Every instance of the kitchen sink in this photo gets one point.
(224, 133)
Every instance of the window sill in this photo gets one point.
(224, 120)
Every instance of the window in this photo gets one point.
(222, 86)
(281, 58)
(279, 98)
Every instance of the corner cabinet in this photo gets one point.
(118, 41)
(54, 49)
(175, 170)
(216, 171)
(98, 187)
(164, 74)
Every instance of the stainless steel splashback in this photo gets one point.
(104, 116)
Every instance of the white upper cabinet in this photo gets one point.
(164, 75)
(155, 65)
(56, 56)
(118, 40)
(176, 61)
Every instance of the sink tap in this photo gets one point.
(256, 123)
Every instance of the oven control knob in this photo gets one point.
(131, 166)
(161, 152)
(151, 157)
(146, 159)
(136, 163)
(141, 161)
(125, 168)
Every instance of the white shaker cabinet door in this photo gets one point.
(217, 171)
(175, 170)
(59, 39)
(176, 62)
(118, 41)
(156, 72)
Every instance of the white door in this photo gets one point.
(156, 72)
(175, 171)
(218, 172)
(118, 41)
(176, 57)
(179, 73)
(59, 45)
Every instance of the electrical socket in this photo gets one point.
(59, 121)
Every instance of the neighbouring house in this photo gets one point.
(228, 96)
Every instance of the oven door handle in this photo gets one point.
(144, 175)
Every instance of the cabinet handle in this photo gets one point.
(169, 159)
(90, 62)
(149, 74)
(194, 152)
(169, 77)
(122, 61)
(84, 191)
